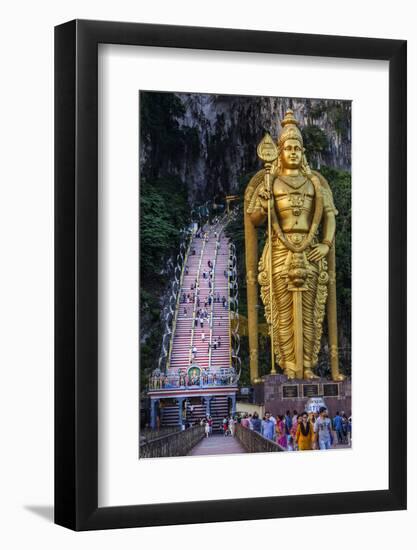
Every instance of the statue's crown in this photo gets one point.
(290, 129)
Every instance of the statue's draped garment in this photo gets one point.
(289, 261)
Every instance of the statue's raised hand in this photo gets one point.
(319, 251)
(264, 195)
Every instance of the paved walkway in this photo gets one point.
(217, 445)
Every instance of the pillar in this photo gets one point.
(208, 399)
(332, 317)
(251, 243)
(233, 399)
(154, 406)
(180, 416)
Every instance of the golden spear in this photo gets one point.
(268, 153)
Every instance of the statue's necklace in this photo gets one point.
(293, 181)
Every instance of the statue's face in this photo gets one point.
(291, 154)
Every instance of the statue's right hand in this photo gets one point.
(264, 195)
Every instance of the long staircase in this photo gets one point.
(196, 290)
(201, 341)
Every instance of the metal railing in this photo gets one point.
(177, 304)
(175, 444)
(212, 293)
(254, 442)
(169, 314)
(147, 434)
(196, 294)
(235, 360)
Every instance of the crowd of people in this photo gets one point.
(302, 432)
(296, 432)
(191, 298)
(228, 425)
(200, 306)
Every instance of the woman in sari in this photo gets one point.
(281, 432)
(305, 434)
(293, 432)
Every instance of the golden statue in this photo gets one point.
(296, 271)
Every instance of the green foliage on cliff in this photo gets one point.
(264, 357)
(164, 212)
(315, 140)
(150, 331)
(235, 230)
(338, 114)
(340, 183)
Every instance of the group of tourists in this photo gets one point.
(296, 432)
(202, 316)
(201, 233)
(217, 340)
(194, 298)
(209, 273)
(229, 426)
(188, 298)
(302, 432)
(207, 422)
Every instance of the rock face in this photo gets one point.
(227, 130)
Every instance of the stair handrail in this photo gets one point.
(234, 306)
(197, 290)
(212, 301)
(175, 290)
(177, 304)
(228, 304)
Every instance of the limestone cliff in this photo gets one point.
(210, 140)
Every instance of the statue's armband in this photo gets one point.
(328, 204)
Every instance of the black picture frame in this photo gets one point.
(76, 272)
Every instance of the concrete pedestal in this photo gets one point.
(281, 394)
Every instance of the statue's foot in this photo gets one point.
(339, 377)
(290, 374)
(309, 375)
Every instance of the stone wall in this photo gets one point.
(281, 394)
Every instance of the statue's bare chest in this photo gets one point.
(294, 202)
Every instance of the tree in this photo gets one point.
(315, 142)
